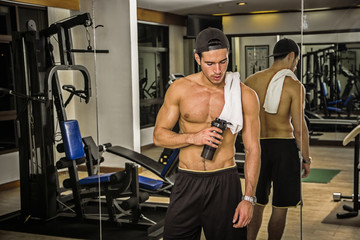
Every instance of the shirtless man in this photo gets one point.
(207, 193)
(283, 132)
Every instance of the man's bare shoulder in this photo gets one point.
(182, 86)
(247, 92)
(293, 83)
(186, 81)
(180, 83)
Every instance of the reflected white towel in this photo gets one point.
(232, 110)
(273, 93)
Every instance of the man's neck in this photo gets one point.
(280, 65)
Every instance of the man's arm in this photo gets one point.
(250, 136)
(251, 140)
(168, 116)
(301, 131)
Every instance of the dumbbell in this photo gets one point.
(337, 196)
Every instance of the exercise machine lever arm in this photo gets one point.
(351, 135)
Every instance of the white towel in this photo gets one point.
(232, 110)
(273, 93)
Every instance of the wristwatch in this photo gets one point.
(308, 161)
(252, 200)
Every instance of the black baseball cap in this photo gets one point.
(284, 47)
(211, 39)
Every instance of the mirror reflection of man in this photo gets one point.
(207, 193)
(283, 133)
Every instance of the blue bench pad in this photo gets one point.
(149, 183)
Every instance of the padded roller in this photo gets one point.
(65, 163)
(132, 202)
(117, 177)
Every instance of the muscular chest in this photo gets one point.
(201, 105)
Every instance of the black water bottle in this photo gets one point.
(208, 151)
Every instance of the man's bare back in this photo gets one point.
(276, 125)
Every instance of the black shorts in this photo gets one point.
(204, 200)
(280, 165)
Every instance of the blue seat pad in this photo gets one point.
(144, 182)
(95, 178)
(149, 183)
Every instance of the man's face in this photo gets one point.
(213, 64)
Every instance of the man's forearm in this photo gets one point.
(305, 151)
(302, 141)
(169, 139)
(252, 169)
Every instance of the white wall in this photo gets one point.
(176, 46)
(262, 23)
(113, 111)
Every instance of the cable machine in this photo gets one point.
(36, 79)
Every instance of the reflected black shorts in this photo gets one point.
(280, 166)
(204, 200)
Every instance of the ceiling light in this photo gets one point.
(260, 12)
(221, 14)
(241, 3)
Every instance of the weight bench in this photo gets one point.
(123, 184)
(164, 172)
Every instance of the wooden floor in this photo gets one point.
(318, 201)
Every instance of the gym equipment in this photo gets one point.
(328, 124)
(38, 85)
(354, 210)
(323, 89)
(240, 162)
(174, 76)
(336, 105)
(164, 172)
(122, 184)
(337, 196)
(352, 83)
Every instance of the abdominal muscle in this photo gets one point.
(190, 156)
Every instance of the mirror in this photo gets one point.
(128, 83)
(330, 73)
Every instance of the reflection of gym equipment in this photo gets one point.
(335, 105)
(324, 67)
(352, 83)
(354, 210)
(321, 67)
(144, 92)
(337, 196)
